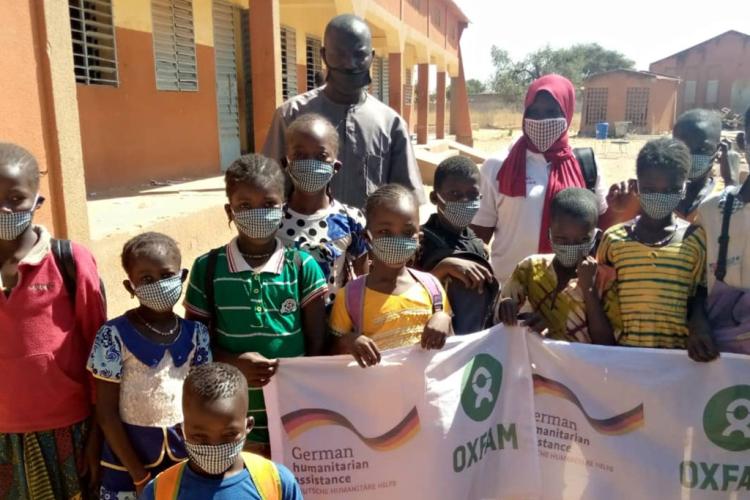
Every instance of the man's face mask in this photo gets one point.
(349, 79)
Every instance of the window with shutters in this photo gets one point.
(288, 62)
(174, 45)
(93, 31)
(712, 91)
(379, 73)
(636, 106)
(417, 4)
(408, 87)
(314, 64)
(689, 94)
(595, 109)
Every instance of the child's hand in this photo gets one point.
(365, 351)
(623, 198)
(701, 347)
(535, 322)
(586, 272)
(472, 274)
(508, 311)
(256, 368)
(438, 328)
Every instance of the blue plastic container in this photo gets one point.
(602, 130)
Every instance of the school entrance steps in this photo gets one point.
(431, 154)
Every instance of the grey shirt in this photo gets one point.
(374, 146)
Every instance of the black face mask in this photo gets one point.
(347, 79)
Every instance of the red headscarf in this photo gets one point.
(564, 172)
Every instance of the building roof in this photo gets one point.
(726, 33)
(636, 73)
(459, 12)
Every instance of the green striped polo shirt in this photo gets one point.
(257, 310)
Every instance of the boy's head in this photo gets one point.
(312, 145)
(700, 130)
(256, 190)
(574, 214)
(662, 167)
(456, 191)
(19, 190)
(392, 224)
(149, 258)
(214, 405)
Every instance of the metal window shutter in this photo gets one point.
(385, 80)
(174, 45)
(375, 72)
(94, 45)
(288, 62)
(313, 62)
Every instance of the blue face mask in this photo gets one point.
(258, 223)
(310, 175)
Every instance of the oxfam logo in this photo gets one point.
(726, 418)
(481, 386)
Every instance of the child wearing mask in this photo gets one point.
(147, 351)
(659, 260)
(451, 251)
(567, 300)
(393, 305)
(333, 233)
(50, 310)
(261, 300)
(214, 402)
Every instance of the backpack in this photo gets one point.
(354, 296)
(263, 472)
(62, 251)
(587, 162)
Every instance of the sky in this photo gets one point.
(644, 30)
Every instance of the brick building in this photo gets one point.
(715, 74)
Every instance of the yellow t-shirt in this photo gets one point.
(390, 320)
(534, 280)
(654, 284)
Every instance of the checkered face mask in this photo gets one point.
(214, 459)
(258, 223)
(12, 224)
(161, 295)
(571, 255)
(700, 165)
(544, 133)
(394, 250)
(459, 213)
(310, 175)
(659, 206)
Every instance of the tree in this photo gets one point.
(578, 62)
(474, 86)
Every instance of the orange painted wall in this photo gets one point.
(437, 32)
(417, 19)
(23, 106)
(134, 133)
(392, 6)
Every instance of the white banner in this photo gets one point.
(624, 423)
(452, 424)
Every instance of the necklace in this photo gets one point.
(659, 243)
(148, 325)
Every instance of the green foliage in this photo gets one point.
(475, 87)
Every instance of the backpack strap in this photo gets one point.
(587, 162)
(167, 483)
(354, 299)
(265, 476)
(432, 285)
(62, 251)
(721, 261)
(208, 286)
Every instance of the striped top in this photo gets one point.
(258, 310)
(654, 284)
(535, 281)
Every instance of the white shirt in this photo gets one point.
(738, 250)
(517, 220)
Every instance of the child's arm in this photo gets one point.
(700, 342)
(438, 328)
(346, 340)
(472, 274)
(599, 327)
(314, 326)
(108, 416)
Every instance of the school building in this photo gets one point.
(112, 93)
(643, 102)
(715, 74)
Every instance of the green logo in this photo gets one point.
(481, 386)
(726, 419)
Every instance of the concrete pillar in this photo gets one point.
(396, 81)
(460, 117)
(265, 65)
(440, 106)
(423, 101)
